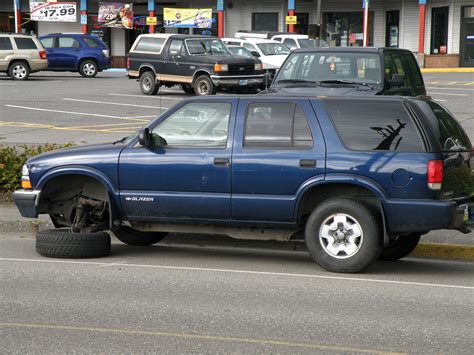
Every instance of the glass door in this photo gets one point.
(467, 37)
(392, 28)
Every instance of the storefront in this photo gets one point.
(440, 31)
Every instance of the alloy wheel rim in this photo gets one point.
(88, 69)
(19, 71)
(341, 236)
(147, 84)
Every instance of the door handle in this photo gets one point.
(222, 161)
(307, 163)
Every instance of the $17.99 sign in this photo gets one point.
(53, 11)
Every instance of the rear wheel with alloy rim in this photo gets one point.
(148, 84)
(343, 235)
(88, 69)
(400, 246)
(19, 71)
(203, 86)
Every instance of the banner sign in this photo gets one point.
(53, 11)
(187, 18)
(115, 14)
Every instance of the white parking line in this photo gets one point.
(149, 96)
(76, 113)
(447, 93)
(445, 88)
(115, 103)
(248, 272)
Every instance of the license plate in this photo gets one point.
(243, 82)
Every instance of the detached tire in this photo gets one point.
(88, 69)
(343, 235)
(131, 236)
(61, 243)
(148, 84)
(400, 247)
(203, 86)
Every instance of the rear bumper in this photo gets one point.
(38, 65)
(237, 81)
(105, 64)
(27, 202)
(408, 216)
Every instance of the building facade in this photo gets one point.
(441, 32)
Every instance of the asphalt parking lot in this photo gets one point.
(64, 107)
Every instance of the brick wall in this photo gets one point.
(442, 61)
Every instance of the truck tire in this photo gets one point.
(148, 84)
(19, 71)
(400, 247)
(61, 243)
(131, 236)
(343, 235)
(187, 89)
(203, 86)
(88, 68)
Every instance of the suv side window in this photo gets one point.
(277, 125)
(47, 42)
(176, 47)
(5, 44)
(68, 42)
(375, 125)
(25, 43)
(197, 125)
(149, 44)
(92, 43)
(412, 67)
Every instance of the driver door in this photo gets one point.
(187, 179)
(175, 68)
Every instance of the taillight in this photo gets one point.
(42, 54)
(128, 62)
(435, 174)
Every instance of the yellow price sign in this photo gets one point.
(151, 20)
(291, 20)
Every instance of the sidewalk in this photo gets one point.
(445, 244)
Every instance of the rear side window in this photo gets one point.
(92, 43)
(451, 135)
(375, 125)
(277, 125)
(47, 42)
(25, 43)
(148, 44)
(68, 42)
(5, 43)
(413, 69)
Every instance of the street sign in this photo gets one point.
(53, 11)
(291, 20)
(151, 21)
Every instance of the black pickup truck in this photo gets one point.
(199, 64)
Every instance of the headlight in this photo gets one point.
(259, 66)
(221, 67)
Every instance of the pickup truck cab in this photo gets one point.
(349, 71)
(200, 64)
(359, 178)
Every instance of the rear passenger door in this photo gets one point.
(6, 49)
(278, 146)
(67, 52)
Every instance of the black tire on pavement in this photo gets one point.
(19, 71)
(148, 84)
(203, 86)
(343, 235)
(400, 247)
(88, 69)
(61, 243)
(187, 89)
(131, 236)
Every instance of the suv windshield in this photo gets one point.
(312, 43)
(273, 48)
(206, 46)
(344, 67)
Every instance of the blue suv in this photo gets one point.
(81, 53)
(359, 178)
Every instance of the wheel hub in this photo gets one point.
(341, 236)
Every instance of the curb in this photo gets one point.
(444, 251)
(447, 70)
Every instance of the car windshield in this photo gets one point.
(206, 46)
(243, 52)
(341, 67)
(312, 43)
(273, 48)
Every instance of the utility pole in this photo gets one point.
(15, 10)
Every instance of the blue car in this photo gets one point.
(359, 178)
(81, 53)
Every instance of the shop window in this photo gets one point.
(343, 29)
(439, 30)
(265, 21)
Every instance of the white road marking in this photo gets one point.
(75, 113)
(447, 93)
(149, 96)
(115, 103)
(439, 100)
(248, 272)
(445, 88)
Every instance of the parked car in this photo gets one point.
(239, 50)
(76, 52)
(296, 41)
(362, 178)
(21, 55)
(349, 71)
(200, 64)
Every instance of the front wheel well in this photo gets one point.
(198, 74)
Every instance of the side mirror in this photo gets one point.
(396, 81)
(144, 137)
(158, 141)
(255, 54)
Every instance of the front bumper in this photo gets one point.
(408, 216)
(27, 202)
(237, 81)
